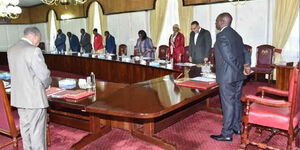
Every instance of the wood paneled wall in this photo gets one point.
(39, 13)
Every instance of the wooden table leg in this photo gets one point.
(96, 131)
(147, 134)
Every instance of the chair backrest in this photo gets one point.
(162, 51)
(185, 56)
(42, 45)
(294, 88)
(212, 56)
(7, 124)
(122, 49)
(249, 48)
(265, 55)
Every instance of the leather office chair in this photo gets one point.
(212, 56)
(42, 45)
(122, 49)
(185, 56)
(9, 124)
(162, 52)
(277, 116)
(249, 48)
(264, 63)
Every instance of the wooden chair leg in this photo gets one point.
(255, 77)
(289, 142)
(15, 144)
(297, 140)
(245, 135)
(48, 136)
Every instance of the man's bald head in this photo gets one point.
(224, 19)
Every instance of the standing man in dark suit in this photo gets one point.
(110, 45)
(85, 41)
(232, 64)
(200, 44)
(60, 41)
(74, 42)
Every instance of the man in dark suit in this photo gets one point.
(85, 41)
(200, 44)
(232, 64)
(74, 42)
(110, 44)
(60, 41)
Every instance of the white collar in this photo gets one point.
(223, 28)
(23, 38)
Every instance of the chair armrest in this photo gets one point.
(267, 101)
(274, 91)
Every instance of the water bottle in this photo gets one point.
(93, 80)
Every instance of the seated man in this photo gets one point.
(74, 42)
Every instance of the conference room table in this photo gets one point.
(143, 99)
(143, 108)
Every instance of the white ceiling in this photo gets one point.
(26, 3)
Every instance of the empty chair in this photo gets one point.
(275, 115)
(264, 63)
(122, 50)
(162, 52)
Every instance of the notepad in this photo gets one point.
(204, 79)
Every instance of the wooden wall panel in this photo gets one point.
(201, 2)
(38, 14)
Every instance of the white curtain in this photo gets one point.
(172, 17)
(53, 30)
(290, 52)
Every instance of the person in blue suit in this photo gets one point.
(110, 44)
(74, 42)
(60, 41)
(232, 65)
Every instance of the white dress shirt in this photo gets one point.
(196, 36)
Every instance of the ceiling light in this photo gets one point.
(9, 9)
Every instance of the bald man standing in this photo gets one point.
(29, 79)
(232, 66)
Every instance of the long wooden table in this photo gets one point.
(106, 70)
(143, 108)
(144, 101)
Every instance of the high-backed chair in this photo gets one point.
(264, 63)
(277, 116)
(42, 45)
(9, 124)
(249, 48)
(185, 56)
(122, 49)
(162, 52)
(212, 56)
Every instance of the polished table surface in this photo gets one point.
(113, 70)
(143, 108)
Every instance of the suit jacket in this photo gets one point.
(178, 48)
(85, 42)
(29, 76)
(110, 44)
(202, 48)
(74, 43)
(60, 42)
(98, 42)
(231, 55)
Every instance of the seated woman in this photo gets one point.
(176, 45)
(144, 46)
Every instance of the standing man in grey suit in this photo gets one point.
(85, 41)
(200, 44)
(29, 79)
(232, 66)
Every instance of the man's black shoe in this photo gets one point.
(238, 132)
(221, 138)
